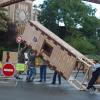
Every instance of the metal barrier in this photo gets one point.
(20, 67)
(7, 72)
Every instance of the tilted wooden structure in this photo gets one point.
(60, 55)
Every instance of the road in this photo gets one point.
(44, 91)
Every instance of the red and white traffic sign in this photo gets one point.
(8, 70)
(18, 39)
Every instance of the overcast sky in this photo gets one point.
(97, 6)
(38, 2)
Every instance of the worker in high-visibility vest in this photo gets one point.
(37, 61)
(1, 64)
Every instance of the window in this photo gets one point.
(47, 48)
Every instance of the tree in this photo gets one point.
(81, 43)
(7, 29)
(48, 15)
(7, 32)
(89, 26)
(71, 12)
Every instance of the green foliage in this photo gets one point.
(82, 44)
(89, 26)
(48, 16)
(72, 13)
(93, 56)
(8, 39)
(94, 40)
(7, 33)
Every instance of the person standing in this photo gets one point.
(31, 65)
(21, 57)
(43, 67)
(54, 78)
(95, 75)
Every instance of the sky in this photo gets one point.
(37, 2)
(97, 6)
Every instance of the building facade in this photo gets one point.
(20, 13)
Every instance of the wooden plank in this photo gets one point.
(28, 34)
(67, 67)
(61, 62)
(57, 56)
(65, 58)
(71, 66)
(37, 45)
(13, 57)
(53, 59)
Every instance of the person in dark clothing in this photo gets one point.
(21, 57)
(95, 75)
(43, 73)
(31, 65)
(54, 78)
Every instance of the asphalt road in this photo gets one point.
(44, 91)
